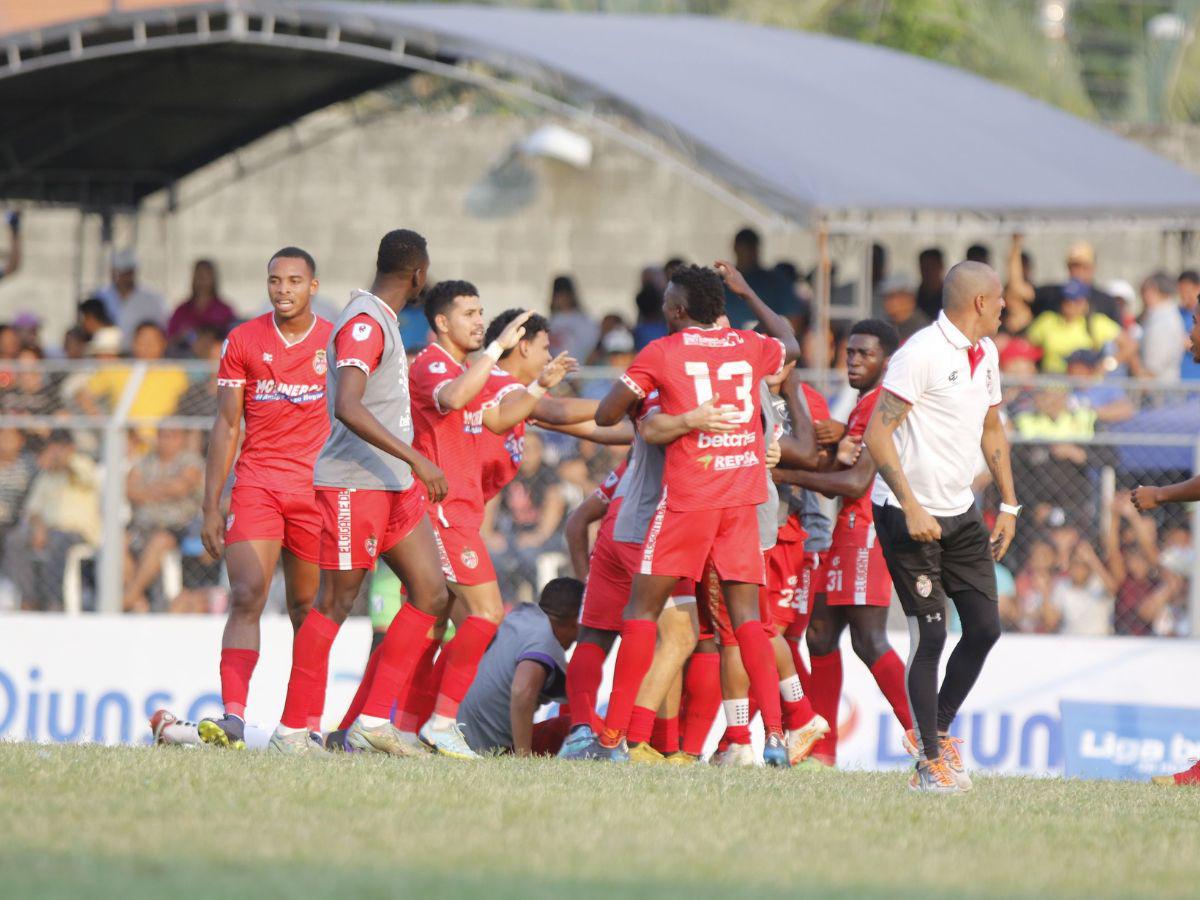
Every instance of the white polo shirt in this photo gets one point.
(938, 441)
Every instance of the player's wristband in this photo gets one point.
(536, 391)
(494, 350)
(1013, 511)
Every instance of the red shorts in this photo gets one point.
(358, 525)
(856, 573)
(714, 614)
(290, 517)
(609, 582)
(811, 575)
(680, 543)
(785, 566)
(466, 554)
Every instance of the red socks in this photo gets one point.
(585, 671)
(364, 688)
(641, 724)
(465, 651)
(407, 638)
(889, 675)
(638, 637)
(665, 737)
(701, 700)
(758, 657)
(237, 666)
(310, 658)
(825, 695)
(417, 705)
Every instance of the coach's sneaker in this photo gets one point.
(953, 760)
(933, 776)
(645, 754)
(1187, 778)
(908, 741)
(577, 740)
(801, 740)
(447, 741)
(295, 743)
(775, 752)
(736, 755)
(228, 732)
(383, 738)
(679, 758)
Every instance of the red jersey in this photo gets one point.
(856, 513)
(818, 406)
(283, 401)
(605, 492)
(500, 454)
(704, 470)
(450, 438)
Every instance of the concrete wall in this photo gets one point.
(415, 169)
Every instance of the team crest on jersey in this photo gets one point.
(320, 363)
(437, 367)
(989, 381)
(361, 331)
(924, 585)
(372, 546)
(267, 357)
(470, 558)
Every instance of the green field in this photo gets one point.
(127, 822)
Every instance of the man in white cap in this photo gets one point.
(129, 304)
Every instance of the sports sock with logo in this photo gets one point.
(737, 720)
(825, 695)
(889, 675)
(638, 637)
(585, 671)
(407, 638)
(310, 657)
(759, 659)
(701, 700)
(237, 665)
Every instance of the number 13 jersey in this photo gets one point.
(706, 470)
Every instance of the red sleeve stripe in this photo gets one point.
(437, 404)
(633, 386)
(231, 382)
(501, 394)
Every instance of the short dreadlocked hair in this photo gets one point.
(401, 250)
(705, 293)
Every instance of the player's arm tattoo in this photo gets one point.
(996, 454)
(892, 409)
(889, 472)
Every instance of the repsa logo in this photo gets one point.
(728, 461)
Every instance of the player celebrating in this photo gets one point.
(857, 589)
(1146, 499)
(370, 504)
(712, 483)
(272, 374)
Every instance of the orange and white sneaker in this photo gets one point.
(933, 776)
(801, 741)
(948, 745)
(1187, 778)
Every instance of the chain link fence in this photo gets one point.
(101, 472)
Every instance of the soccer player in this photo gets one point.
(272, 374)
(448, 420)
(940, 405)
(523, 668)
(1146, 498)
(371, 505)
(857, 589)
(712, 482)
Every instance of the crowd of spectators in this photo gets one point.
(1082, 567)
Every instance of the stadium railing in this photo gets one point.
(1073, 473)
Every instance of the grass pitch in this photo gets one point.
(128, 822)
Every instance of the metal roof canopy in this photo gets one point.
(104, 111)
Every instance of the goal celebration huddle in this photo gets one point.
(716, 552)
